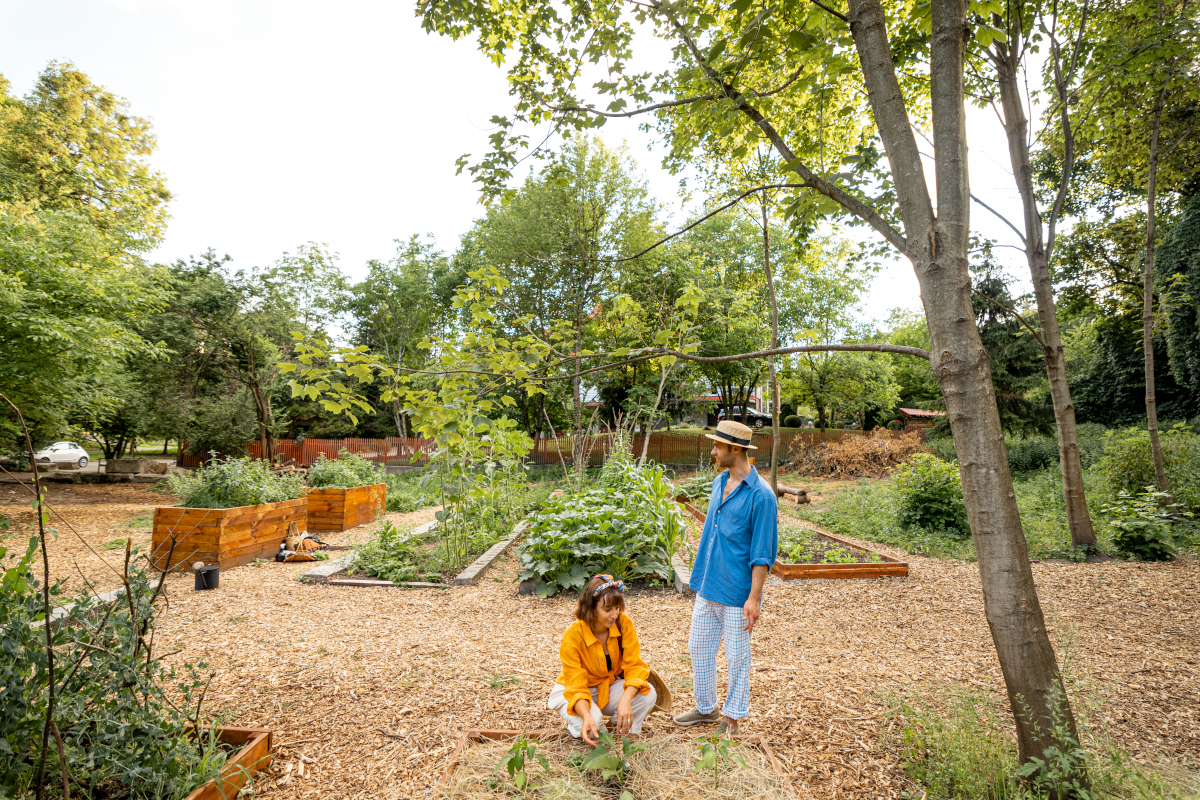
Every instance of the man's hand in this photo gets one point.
(750, 612)
(588, 732)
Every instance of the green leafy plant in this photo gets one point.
(521, 755)
(931, 498)
(1142, 525)
(404, 492)
(793, 421)
(234, 482)
(613, 762)
(717, 752)
(344, 472)
(1127, 465)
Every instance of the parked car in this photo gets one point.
(62, 452)
(749, 416)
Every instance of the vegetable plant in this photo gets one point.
(344, 472)
(611, 763)
(234, 482)
(717, 751)
(520, 756)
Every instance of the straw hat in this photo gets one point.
(664, 701)
(731, 432)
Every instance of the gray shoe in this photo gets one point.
(723, 729)
(694, 717)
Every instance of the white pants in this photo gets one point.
(641, 706)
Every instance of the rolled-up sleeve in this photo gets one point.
(764, 539)
(637, 671)
(574, 675)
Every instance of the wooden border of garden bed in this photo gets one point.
(891, 568)
(229, 536)
(480, 735)
(343, 509)
(254, 757)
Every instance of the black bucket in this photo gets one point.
(208, 577)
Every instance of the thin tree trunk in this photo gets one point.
(774, 345)
(1037, 254)
(1160, 469)
(938, 247)
(650, 419)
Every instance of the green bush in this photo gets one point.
(629, 526)
(234, 482)
(1142, 525)
(931, 498)
(1033, 453)
(344, 472)
(793, 421)
(404, 492)
(1127, 465)
(116, 703)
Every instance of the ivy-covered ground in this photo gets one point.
(370, 688)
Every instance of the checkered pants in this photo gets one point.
(710, 623)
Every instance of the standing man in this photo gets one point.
(737, 548)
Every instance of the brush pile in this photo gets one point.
(873, 455)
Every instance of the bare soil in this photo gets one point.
(369, 689)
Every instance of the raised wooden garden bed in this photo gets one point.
(227, 536)
(889, 568)
(481, 735)
(253, 757)
(343, 509)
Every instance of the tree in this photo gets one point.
(72, 145)
(1178, 269)
(734, 52)
(401, 302)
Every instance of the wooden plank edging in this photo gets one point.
(471, 575)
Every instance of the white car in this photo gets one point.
(59, 452)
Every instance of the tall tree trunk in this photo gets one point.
(938, 247)
(774, 384)
(1037, 254)
(1160, 469)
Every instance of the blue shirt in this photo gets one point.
(738, 533)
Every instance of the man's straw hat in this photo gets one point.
(731, 432)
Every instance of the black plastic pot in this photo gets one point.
(208, 577)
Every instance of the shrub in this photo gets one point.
(931, 498)
(792, 421)
(404, 492)
(344, 472)
(234, 482)
(1142, 525)
(115, 701)
(872, 455)
(628, 528)
(1037, 452)
(1127, 465)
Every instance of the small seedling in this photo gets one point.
(501, 681)
(522, 754)
(604, 757)
(715, 751)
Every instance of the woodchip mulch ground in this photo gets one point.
(369, 689)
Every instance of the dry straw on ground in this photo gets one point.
(665, 770)
(872, 455)
(368, 690)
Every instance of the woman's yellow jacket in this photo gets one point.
(583, 664)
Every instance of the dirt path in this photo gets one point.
(373, 686)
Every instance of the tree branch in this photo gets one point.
(842, 17)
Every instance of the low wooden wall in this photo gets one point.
(228, 536)
(343, 509)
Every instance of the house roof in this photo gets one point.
(920, 412)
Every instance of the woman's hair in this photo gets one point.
(590, 599)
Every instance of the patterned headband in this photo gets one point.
(609, 581)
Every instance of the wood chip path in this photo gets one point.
(368, 689)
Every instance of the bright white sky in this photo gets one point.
(282, 122)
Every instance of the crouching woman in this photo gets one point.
(603, 673)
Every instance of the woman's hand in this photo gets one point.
(588, 732)
(624, 714)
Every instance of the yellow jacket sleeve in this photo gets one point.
(574, 676)
(637, 671)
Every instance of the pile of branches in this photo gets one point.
(873, 455)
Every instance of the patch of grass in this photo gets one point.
(115, 544)
(501, 681)
(871, 510)
(143, 519)
(5, 523)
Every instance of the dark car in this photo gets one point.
(749, 416)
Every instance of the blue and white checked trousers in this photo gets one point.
(710, 623)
